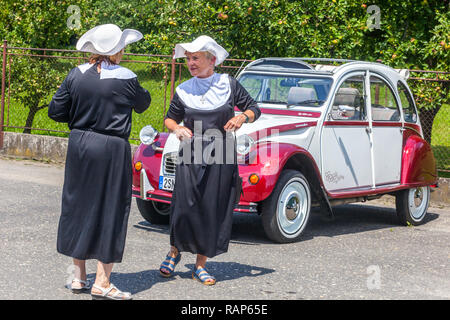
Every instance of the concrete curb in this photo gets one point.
(37, 147)
(53, 149)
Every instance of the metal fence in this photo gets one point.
(30, 77)
(435, 121)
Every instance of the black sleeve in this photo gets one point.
(242, 98)
(142, 97)
(61, 103)
(176, 110)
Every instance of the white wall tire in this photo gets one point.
(412, 205)
(286, 212)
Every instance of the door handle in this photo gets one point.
(369, 130)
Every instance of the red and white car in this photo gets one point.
(327, 135)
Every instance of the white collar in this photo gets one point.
(85, 67)
(114, 71)
(205, 93)
(110, 71)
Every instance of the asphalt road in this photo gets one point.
(362, 254)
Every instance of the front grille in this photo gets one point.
(170, 162)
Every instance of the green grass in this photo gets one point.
(440, 140)
(150, 78)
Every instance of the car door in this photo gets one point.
(387, 132)
(346, 140)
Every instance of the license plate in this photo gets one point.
(166, 183)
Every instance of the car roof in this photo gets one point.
(283, 65)
(300, 65)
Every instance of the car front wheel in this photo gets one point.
(412, 205)
(154, 212)
(285, 213)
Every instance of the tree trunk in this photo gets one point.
(426, 119)
(30, 118)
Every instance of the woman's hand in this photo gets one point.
(182, 132)
(235, 123)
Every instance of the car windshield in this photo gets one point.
(287, 90)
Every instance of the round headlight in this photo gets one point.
(244, 144)
(148, 135)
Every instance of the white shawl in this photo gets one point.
(205, 93)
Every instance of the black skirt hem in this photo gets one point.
(187, 248)
(90, 257)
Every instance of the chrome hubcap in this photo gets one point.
(417, 202)
(293, 207)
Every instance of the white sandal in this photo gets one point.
(118, 295)
(86, 286)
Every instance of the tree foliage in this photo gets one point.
(408, 35)
(36, 24)
(413, 34)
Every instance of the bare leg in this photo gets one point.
(80, 273)
(173, 252)
(201, 263)
(102, 278)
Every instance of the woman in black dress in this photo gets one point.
(207, 174)
(96, 100)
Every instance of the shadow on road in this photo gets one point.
(246, 230)
(349, 219)
(147, 226)
(356, 218)
(135, 282)
(222, 271)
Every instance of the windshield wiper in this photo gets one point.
(272, 101)
(305, 102)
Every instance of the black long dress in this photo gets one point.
(204, 194)
(96, 194)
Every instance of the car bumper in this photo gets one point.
(166, 197)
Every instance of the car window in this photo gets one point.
(383, 103)
(409, 112)
(348, 103)
(253, 85)
(287, 90)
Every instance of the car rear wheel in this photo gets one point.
(285, 213)
(412, 205)
(154, 212)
